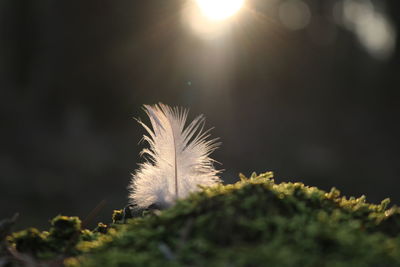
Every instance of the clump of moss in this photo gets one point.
(101, 228)
(29, 240)
(64, 227)
(257, 222)
(65, 232)
(117, 216)
(254, 222)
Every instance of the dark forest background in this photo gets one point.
(308, 89)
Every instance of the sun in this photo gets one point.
(219, 9)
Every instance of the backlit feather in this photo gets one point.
(178, 158)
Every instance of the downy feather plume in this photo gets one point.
(178, 158)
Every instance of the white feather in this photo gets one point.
(178, 158)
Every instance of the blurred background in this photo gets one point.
(308, 89)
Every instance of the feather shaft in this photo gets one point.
(175, 167)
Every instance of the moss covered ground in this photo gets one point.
(254, 222)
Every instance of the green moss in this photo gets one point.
(101, 228)
(65, 232)
(117, 216)
(254, 222)
(64, 227)
(30, 240)
(257, 222)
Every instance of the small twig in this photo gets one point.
(6, 225)
(86, 221)
(26, 259)
(185, 233)
(93, 213)
(166, 251)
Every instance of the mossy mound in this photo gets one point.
(254, 222)
(60, 241)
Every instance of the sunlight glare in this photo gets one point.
(219, 9)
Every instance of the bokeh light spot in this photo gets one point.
(373, 27)
(294, 14)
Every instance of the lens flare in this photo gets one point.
(219, 9)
